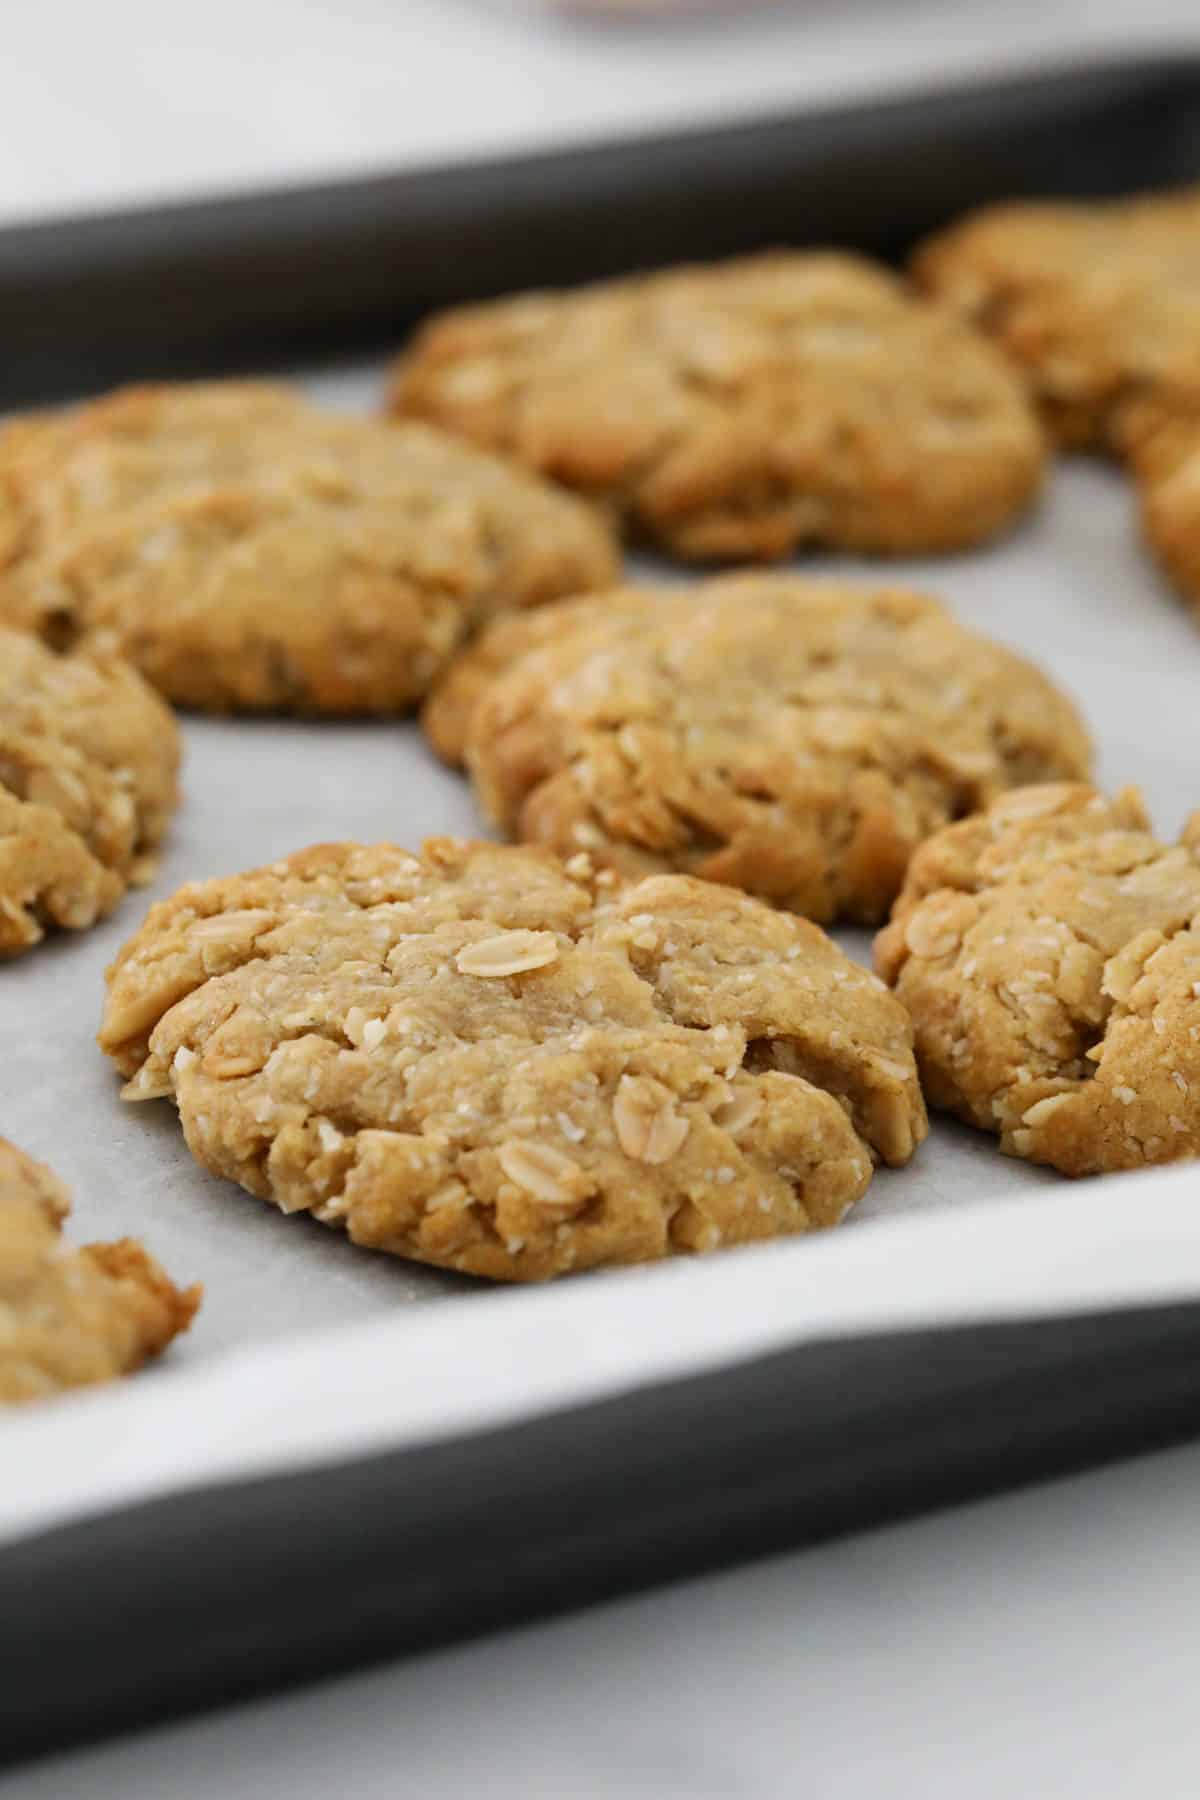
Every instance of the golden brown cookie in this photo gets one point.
(69, 1318)
(1165, 460)
(743, 409)
(483, 1059)
(249, 552)
(1097, 305)
(88, 763)
(1048, 952)
(450, 706)
(789, 737)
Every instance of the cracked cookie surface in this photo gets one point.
(1048, 952)
(793, 738)
(1097, 305)
(72, 1317)
(481, 1059)
(89, 757)
(249, 552)
(743, 409)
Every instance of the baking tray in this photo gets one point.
(336, 1465)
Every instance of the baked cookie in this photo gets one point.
(483, 1059)
(743, 409)
(449, 708)
(249, 552)
(88, 762)
(1048, 952)
(792, 738)
(1165, 461)
(69, 1318)
(1096, 304)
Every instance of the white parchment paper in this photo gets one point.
(308, 1348)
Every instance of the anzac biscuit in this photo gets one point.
(482, 1059)
(743, 409)
(88, 763)
(792, 738)
(1097, 305)
(1165, 460)
(250, 553)
(1048, 953)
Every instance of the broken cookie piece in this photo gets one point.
(71, 1318)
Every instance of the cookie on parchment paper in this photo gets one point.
(249, 552)
(743, 409)
(793, 738)
(71, 1318)
(449, 708)
(1165, 460)
(484, 1060)
(1096, 304)
(89, 757)
(1048, 952)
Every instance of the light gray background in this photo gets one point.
(1037, 1644)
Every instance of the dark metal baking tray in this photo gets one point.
(290, 275)
(218, 1593)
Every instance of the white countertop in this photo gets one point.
(1030, 1648)
(1038, 1644)
(113, 101)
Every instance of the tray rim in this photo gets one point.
(128, 277)
(1156, 60)
(187, 1601)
